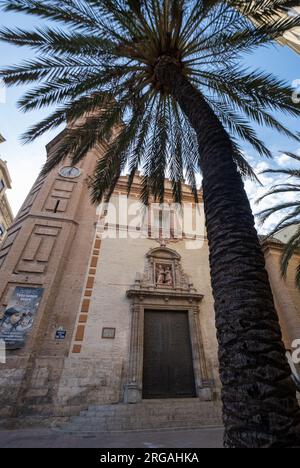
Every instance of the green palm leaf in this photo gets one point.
(290, 213)
(111, 47)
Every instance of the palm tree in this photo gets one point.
(170, 70)
(290, 213)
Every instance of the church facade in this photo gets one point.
(111, 305)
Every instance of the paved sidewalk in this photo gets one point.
(44, 438)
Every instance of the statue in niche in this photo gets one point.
(160, 275)
(164, 276)
(168, 276)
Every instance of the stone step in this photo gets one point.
(126, 412)
(166, 403)
(141, 424)
(156, 414)
(134, 420)
(142, 410)
(158, 405)
(167, 415)
(141, 427)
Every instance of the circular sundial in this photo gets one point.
(70, 172)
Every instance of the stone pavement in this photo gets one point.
(210, 437)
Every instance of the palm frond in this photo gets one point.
(290, 213)
(288, 172)
(290, 248)
(95, 61)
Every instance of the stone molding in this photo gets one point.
(146, 294)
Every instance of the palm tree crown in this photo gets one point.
(290, 213)
(102, 61)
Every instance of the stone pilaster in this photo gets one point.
(133, 387)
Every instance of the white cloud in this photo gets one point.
(283, 160)
(24, 164)
(255, 191)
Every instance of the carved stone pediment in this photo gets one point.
(164, 274)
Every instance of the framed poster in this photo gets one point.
(19, 316)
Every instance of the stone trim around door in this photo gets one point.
(154, 297)
(134, 384)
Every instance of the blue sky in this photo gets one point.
(25, 161)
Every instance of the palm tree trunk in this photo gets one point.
(259, 398)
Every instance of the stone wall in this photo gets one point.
(94, 381)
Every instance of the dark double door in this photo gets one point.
(168, 362)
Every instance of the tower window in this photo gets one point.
(2, 230)
(56, 206)
(162, 223)
(2, 186)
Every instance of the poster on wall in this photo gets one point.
(19, 316)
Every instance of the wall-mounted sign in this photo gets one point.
(109, 333)
(60, 334)
(19, 315)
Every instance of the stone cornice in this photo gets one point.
(122, 189)
(55, 140)
(275, 245)
(165, 294)
(42, 217)
(289, 38)
(271, 243)
(9, 217)
(4, 169)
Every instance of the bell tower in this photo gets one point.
(44, 259)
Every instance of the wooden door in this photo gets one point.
(168, 363)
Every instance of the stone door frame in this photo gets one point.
(171, 301)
